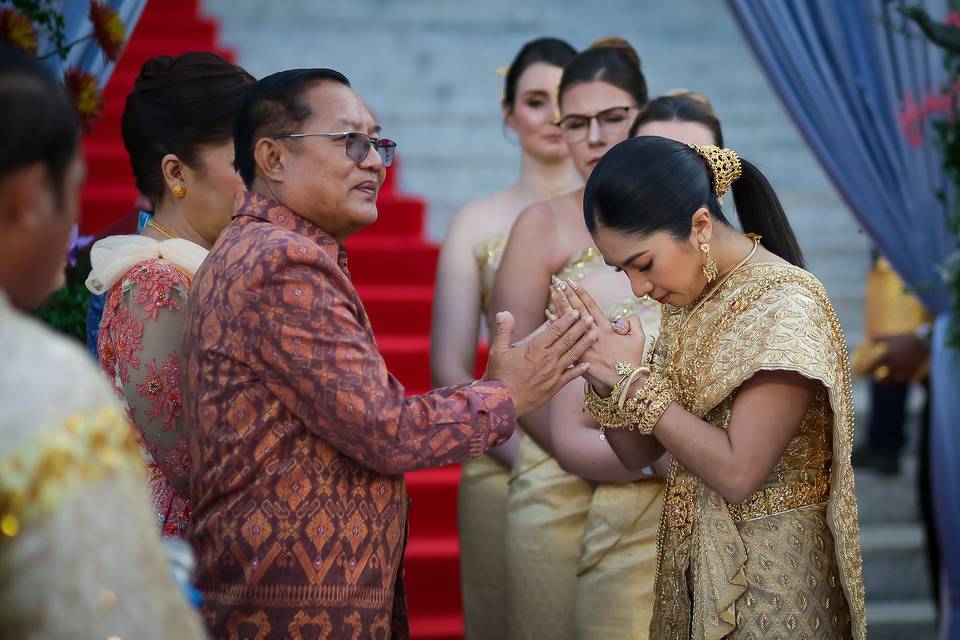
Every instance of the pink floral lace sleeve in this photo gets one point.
(140, 350)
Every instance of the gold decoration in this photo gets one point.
(710, 269)
(179, 191)
(641, 412)
(724, 165)
(156, 226)
(704, 297)
(83, 449)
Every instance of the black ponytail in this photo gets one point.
(649, 184)
(759, 211)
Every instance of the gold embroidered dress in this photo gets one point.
(482, 506)
(546, 512)
(786, 562)
(618, 553)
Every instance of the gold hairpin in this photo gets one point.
(724, 164)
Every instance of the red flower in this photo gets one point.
(85, 95)
(953, 19)
(108, 29)
(16, 28)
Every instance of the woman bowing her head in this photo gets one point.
(748, 389)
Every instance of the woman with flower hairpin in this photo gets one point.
(748, 390)
(469, 259)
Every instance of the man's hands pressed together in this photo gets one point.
(538, 366)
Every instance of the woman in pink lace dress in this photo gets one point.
(176, 128)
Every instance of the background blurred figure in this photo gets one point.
(895, 353)
(79, 553)
(469, 259)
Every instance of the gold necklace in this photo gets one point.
(156, 226)
(726, 276)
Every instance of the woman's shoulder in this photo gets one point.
(781, 282)
(490, 214)
(557, 217)
(155, 274)
(47, 378)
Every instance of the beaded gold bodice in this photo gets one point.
(767, 316)
(488, 255)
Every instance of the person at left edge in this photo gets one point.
(299, 436)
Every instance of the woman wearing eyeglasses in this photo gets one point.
(176, 128)
(469, 259)
(601, 91)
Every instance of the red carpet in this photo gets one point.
(392, 265)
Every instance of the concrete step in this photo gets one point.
(901, 619)
(895, 563)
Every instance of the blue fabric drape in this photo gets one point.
(842, 75)
(844, 70)
(945, 469)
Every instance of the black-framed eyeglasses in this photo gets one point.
(357, 144)
(614, 120)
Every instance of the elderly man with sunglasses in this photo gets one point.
(299, 436)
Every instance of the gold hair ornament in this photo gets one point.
(724, 164)
(502, 72)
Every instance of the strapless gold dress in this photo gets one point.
(481, 508)
(618, 554)
(546, 512)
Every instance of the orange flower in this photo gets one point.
(85, 95)
(17, 29)
(108, 29)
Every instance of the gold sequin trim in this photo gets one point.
(40, 474)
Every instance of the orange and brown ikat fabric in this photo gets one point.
(299, 437)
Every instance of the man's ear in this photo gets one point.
(19, 191)
(270, 157)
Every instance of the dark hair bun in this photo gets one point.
(177, 105)
(621, 45)
(610, 60)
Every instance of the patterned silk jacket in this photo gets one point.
(299, 438)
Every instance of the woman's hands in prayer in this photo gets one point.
(610, 347)
(538, 366)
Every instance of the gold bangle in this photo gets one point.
(636, 373)
(642, 411)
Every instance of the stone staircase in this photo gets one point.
(427, 68)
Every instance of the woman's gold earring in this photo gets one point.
(179, 191)
(710, 270)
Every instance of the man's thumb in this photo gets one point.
(503, 332)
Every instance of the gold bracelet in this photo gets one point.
(657, 394)
(642, 411)
(631, 378)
